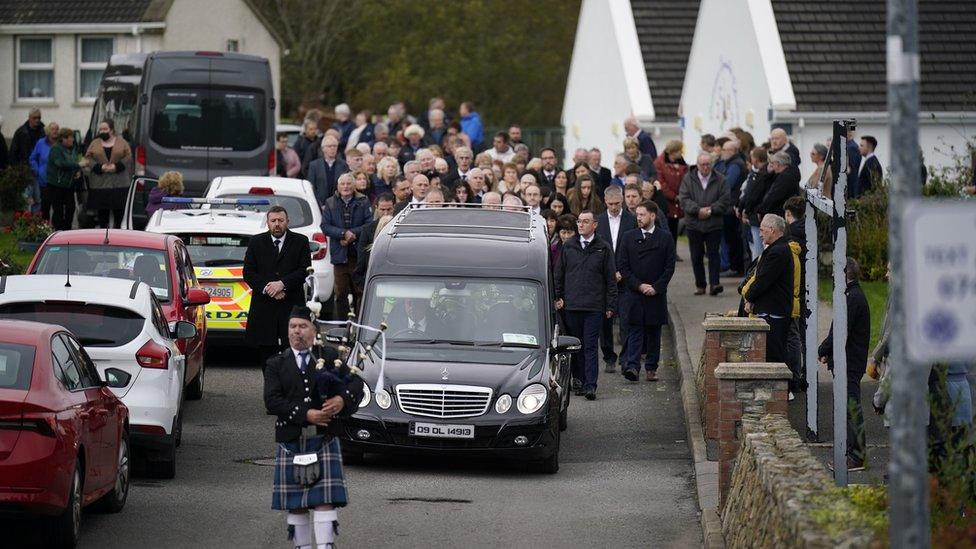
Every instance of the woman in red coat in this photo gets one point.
(671, 168)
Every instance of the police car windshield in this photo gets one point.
(215, 250)
(129, 263)
(299, 212)
(434, 310)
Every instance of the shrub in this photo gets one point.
(9, 265)
(29, 227)
(13, 182)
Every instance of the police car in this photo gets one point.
(216, 240)
(304, 215)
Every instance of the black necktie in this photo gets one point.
(277, 244)
(304, 356)
(583, 243)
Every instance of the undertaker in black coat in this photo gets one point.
(646, 258)
(277, 281)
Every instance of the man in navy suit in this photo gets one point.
(646, 258)
(853, 161)
(612, 224)
(324, 172)
(869, 174)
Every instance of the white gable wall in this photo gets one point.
(736, 72)
(607, 82)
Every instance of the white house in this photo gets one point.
(800, 64)
(53, 52)
(629, 58)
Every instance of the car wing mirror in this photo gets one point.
(184, 330)
(197, 296)
(568, 344)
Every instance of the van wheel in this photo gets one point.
(67, 526)
(550, 464)
(114, 501)
(194, 391)
(353, 457)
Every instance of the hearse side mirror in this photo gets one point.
(568, 344)
(184, 330)
(335, 335)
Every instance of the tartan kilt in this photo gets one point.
(329, 489)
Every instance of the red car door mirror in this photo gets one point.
(196, 296)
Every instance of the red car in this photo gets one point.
(159, 260)
(64, 439)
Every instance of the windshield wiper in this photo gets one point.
(219, 262)
(505, 344)
(434, 341)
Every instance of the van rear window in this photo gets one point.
(94, 325)
(217, 119)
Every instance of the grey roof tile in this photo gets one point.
(665, 29)
(24, 12)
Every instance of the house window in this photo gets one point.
(233, 45)
(35, 68)
(93, 55)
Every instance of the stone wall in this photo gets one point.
(773, 487)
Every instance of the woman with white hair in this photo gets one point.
(414, 135)
(386, 172)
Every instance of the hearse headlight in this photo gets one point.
(503, 404)
(532, 398)
(366, 398)
(383, 399)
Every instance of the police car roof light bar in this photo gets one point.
(217, 201)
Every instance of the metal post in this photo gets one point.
(908, 488)
(813, 366)
(839, 144)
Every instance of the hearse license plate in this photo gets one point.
(438, 430)
(219, 291)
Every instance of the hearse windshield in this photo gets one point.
(455, 311)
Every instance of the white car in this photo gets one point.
(121, 325)
(304, 215)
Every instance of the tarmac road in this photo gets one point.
(625, 481)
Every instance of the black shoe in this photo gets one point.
(716, 290)
(630, 374)
(609, 367)
(577, 386)
(591, 395)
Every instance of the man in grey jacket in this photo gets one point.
(704, 199)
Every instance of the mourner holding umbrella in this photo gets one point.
(308, 478)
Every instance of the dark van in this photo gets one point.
(204, 114)
(474, 359)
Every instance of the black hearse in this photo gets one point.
(474, 360)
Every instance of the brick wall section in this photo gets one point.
(757, 388)
(727, 339)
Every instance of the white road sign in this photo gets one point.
(940, 280)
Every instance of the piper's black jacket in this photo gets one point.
(289, 394)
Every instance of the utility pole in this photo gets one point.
(908, 486)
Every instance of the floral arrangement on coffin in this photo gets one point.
(30, 227)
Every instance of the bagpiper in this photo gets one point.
(308, 478)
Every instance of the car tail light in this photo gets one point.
(153, 355)
(141, 160)
(260, 190)
(42, 424)
(272, 161)
(324, 241)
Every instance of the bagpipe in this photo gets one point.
(354, 350)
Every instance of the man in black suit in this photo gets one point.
(785, 184)
(768, 292)
(548, 157)
(869, 173)
(615, 222)
(647, 256)
(601, 175)
(324, 172)
(780, 142)
(275, 267)
(464, 158)
(414, 317)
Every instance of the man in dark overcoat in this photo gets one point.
(308, 478)
(275, 266)
(647, 256)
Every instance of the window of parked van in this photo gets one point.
(35, 68)
(93, 55)
(218, 119)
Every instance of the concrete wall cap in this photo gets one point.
(734, 324)
(752, 370)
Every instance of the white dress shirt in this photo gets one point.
(420, 325)
(281, 241)
(298, 357)
(614, 227)
(863, 162)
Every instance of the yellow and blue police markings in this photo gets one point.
(230, 297)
